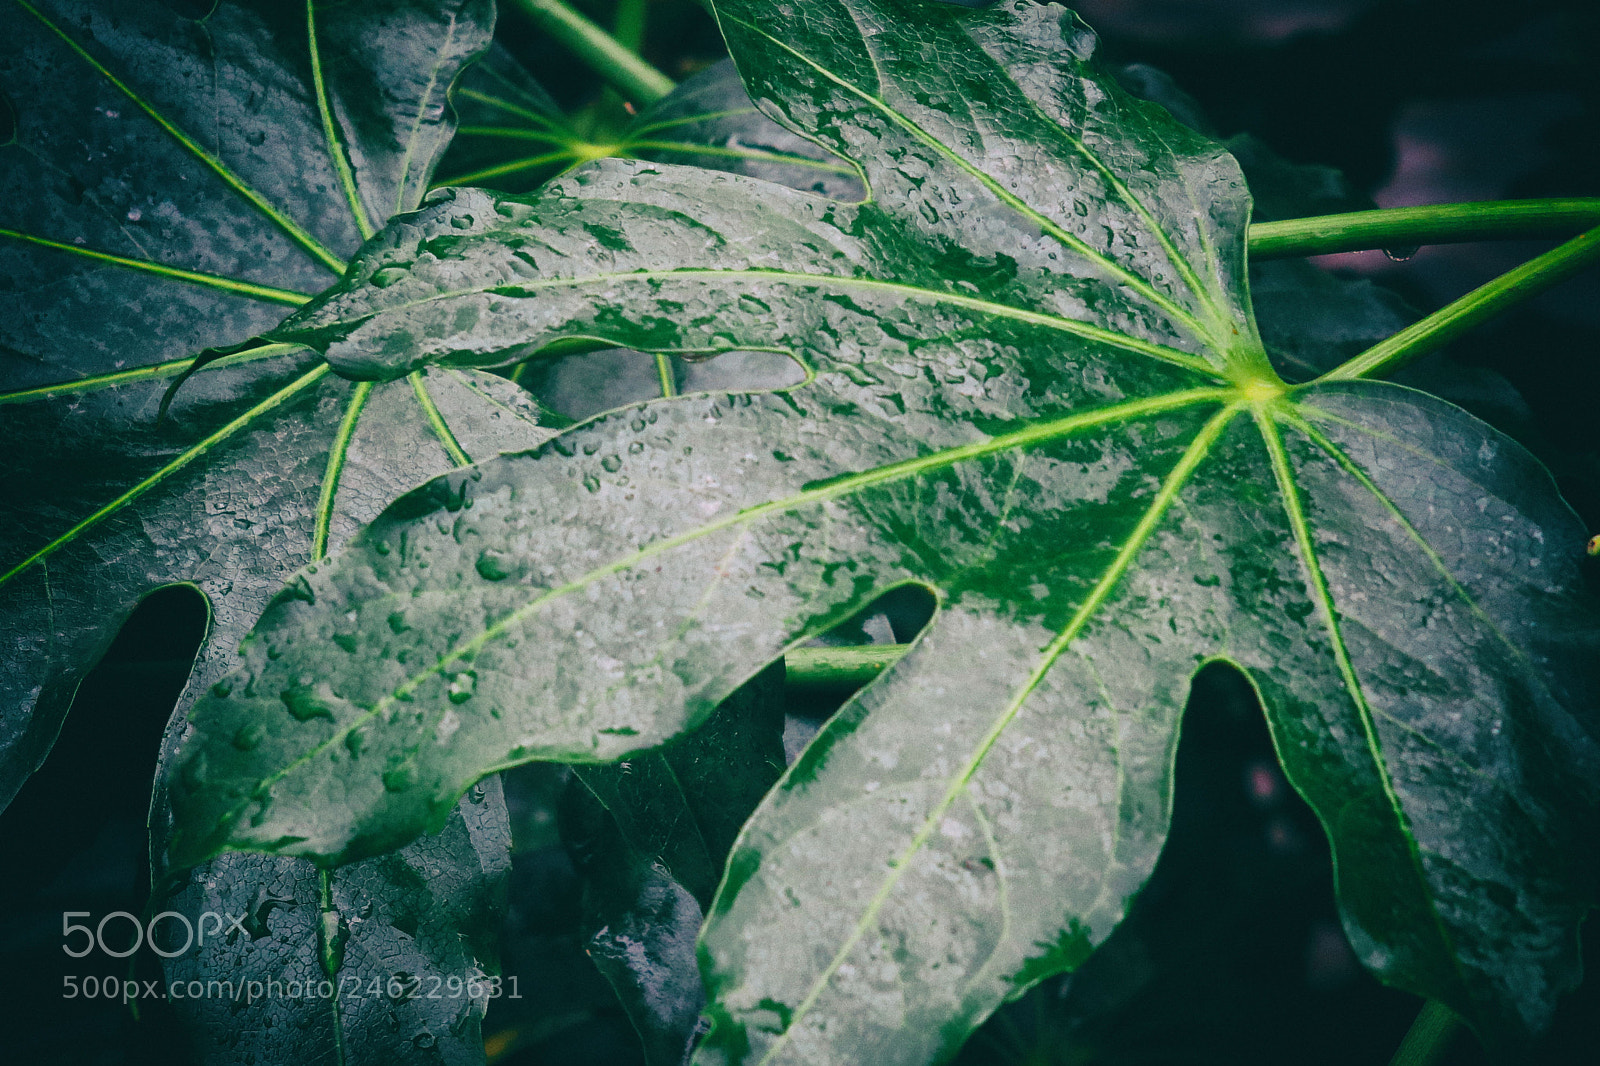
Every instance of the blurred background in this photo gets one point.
(1233, 953)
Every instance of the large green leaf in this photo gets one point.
(179, 176)
(1035, 388)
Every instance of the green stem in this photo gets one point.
(1429, 1036)
(669, 381)
(331, 954)
(629, 23)
(839, 668)
(1410, 227)
(632, 76)
(1450, 321)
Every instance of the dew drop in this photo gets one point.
(591, 483)
(306, 703)
(612, 463)
(494, 566)
(462, 686)
(383, 278)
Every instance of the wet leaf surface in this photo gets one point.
(179, 179)
(1037, 390)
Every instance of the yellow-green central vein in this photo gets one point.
(436, 422)
(1023, 438)
(188, 456)
(341, 163)
(172, 368)
(500, 170)
(1301, 526)
(825, 281)
(1180, 474)
(214, 281)
(232, 180)
(689, 120)
(508, 106)
(337, 452)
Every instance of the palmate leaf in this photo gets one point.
(179, 175)
(1035, 388)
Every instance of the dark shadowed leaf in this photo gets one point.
(650, 836)
(412, 938)
(178, 178)
(710, 121)
(512, 135)
(1036, 388)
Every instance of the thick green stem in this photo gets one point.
(838, 668)
(1411, 227)
(1455, 318)
(1429, 1036)
(623, 69)
(629, 24)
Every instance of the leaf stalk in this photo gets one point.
(839, 668)
(1409, 227)
(1513, 287)
(619, 66)
(1429, 1037)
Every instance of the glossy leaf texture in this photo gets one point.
(391, 960)
(651, 836)
(1036, 388)
(175, 184)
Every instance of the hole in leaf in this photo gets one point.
(895, 617)
(577, 385)
(82, 814)
(1233, 951)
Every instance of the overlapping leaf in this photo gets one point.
(178, 178)
(1036, 388)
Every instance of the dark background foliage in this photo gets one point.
(1233, 952)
